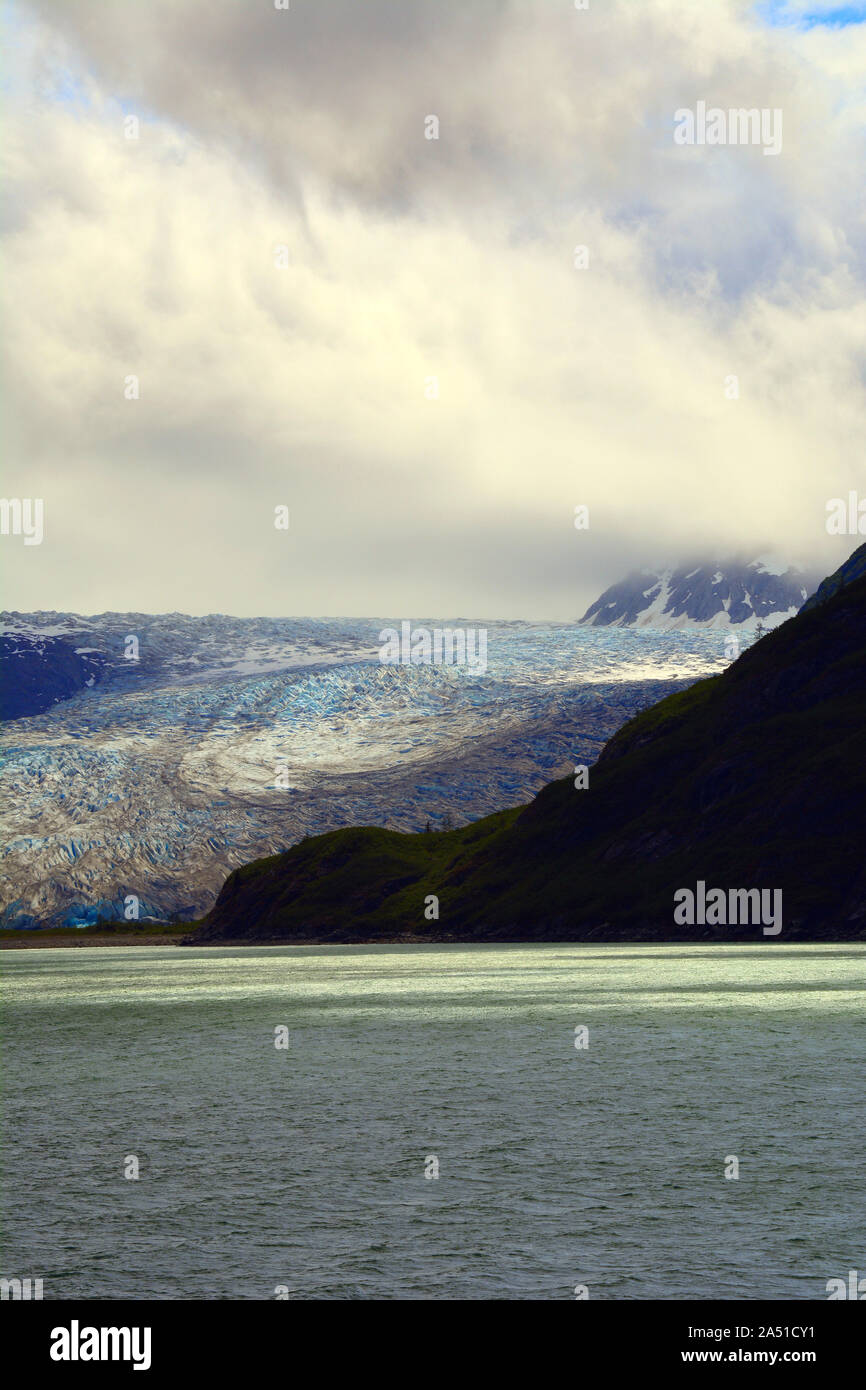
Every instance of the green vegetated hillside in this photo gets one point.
(755, 778)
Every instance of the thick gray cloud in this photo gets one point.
(308, 383)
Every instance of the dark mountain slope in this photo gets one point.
(36, 672)
(853, 568)
(752, 779)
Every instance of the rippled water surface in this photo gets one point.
(305, 1167)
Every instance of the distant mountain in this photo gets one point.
(718, 594)
(36, 672)
(754, 779)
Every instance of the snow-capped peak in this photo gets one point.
(729, 593)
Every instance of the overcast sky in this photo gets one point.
(302, 377)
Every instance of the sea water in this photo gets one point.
(435, 1122)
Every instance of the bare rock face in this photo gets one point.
(730, 593)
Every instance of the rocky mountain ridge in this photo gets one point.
(724, 594)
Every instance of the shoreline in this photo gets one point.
(36, 940)
(43, 940)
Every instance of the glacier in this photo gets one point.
(232, 738)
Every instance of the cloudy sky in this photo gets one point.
(239, 207)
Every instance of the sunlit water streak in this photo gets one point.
(305, 1167)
